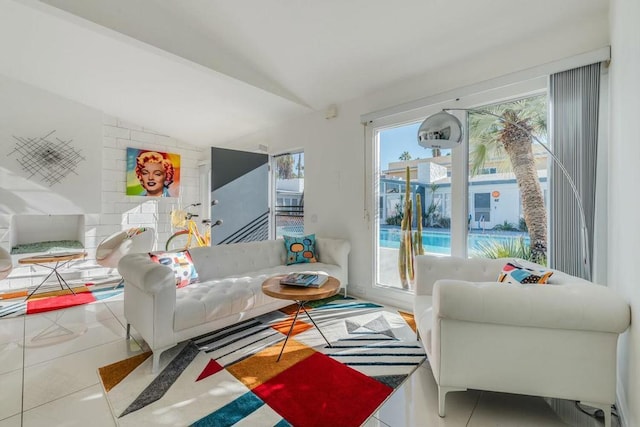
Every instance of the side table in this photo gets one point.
(60, 260)
(301, 296)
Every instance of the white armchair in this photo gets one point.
(6, 264)
(114, 247)
(556, 340)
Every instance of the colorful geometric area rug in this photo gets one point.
(231, 376)
(13, 304)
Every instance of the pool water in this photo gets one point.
(439, 242)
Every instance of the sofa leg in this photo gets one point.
(606, 409)
(156, 362)
(442, 394)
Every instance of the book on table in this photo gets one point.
(309, 280)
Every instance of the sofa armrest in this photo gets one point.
(336, 252)
(574, 306)
(138, 270)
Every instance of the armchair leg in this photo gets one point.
(442, 394)
(156, 362)
(606, 409)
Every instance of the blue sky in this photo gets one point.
(395, 141)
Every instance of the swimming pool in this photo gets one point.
(439, 242)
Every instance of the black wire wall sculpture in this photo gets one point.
(48, 157)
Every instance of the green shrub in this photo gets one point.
(512, 248)
(505, 226)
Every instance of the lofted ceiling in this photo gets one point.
(210, 71)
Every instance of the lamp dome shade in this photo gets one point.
(440, 130)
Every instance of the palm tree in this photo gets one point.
(405, 156)
(284, 166)
(492, 137)
(299, 166)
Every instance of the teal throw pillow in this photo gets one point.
(300, 249)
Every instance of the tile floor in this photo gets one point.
(48, 377)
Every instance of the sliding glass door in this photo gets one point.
(481, 199)
(429, 182)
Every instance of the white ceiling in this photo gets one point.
(210, 71)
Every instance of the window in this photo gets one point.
(487, 171)
(392, 132)
(494, 218)
(497, 225)
(482, 207)
(288, 179)
(429, 181)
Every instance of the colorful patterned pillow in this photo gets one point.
(516, 273)
(300, 249)
(181, 263)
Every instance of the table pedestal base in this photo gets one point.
(300, 307)
(54, 270)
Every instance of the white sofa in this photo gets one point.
(229, 288)
(555, 340)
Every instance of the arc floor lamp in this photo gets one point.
(444, 130)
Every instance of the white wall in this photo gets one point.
(337, 194)
(624, 204)
(98, 190)
(31, 113)
(120, 211)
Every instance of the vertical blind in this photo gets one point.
(574, 99)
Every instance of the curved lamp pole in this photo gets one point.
(444, 130)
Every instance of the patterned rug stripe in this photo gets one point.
(211, 368)
(408, 317)
(378, 355)
(204, 341)
(375, 346)
(162, 382)
(382, 363)
(55, 299)
(244, 356)
(111, 375)
(13, 309)
(228, 342)
(233, 351)
(392, 381)
(347, 305)
(231, 413)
